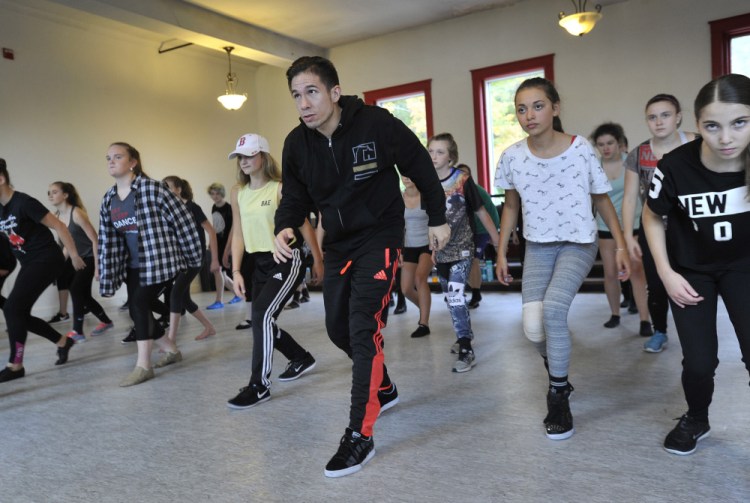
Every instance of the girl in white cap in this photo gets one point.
(254, 201)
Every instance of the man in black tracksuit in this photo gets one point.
(341, 162)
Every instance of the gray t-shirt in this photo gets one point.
(124, 220)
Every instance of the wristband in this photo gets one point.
(235, 272)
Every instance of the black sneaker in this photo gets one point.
(305, 296)
(475, 300)
(125, 306)
(8, 374)
(62, 353)
(244, 325)
(559, 420)
(632, 308)
(59, 317)
(354, 452)
(130, 337)
(292, 305)
(295, 369)
(646, 330)
(250, 396)
(387, 397)
(683, 439)
(614, 321)
(421, 331)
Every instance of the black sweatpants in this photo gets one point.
(83, 301)
(273, 285)
(696, 328)
(658, 300)
(356, 293)
(33, 278)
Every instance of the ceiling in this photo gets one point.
(276, 32)
(328, 23)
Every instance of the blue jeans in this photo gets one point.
(453, 277)
(552, 274)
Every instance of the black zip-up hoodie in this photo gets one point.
(351, 179)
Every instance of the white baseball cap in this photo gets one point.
(249, 145)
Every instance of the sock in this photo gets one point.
(558, 383)
(464, 343)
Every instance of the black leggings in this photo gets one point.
(179, 297)
(658, 300)
(696, 328)
(140, 301)
(33, 278)
(83, 302)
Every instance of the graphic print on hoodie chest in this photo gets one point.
(365, 160)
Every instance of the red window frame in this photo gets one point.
(722, 33)
(388, 93)
(478, 78)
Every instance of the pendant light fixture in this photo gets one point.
(231, 100)
(582, 21)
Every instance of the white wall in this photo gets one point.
(639, 48)
(75, 87)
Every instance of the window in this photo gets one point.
(495, 122)
(730, 45)
(410, 103)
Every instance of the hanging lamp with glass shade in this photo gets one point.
(582, 21)
(231, 100)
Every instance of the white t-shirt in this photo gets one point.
(555, 193)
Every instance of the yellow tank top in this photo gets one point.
(257, 209)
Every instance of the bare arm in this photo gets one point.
(679, 290)
(489, 226)
(508, 222)
(63, 233)
(608, 213)
(238, 244)
(629, 203)
(213, 245)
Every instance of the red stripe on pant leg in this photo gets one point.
(372, 409)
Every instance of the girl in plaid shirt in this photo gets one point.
(146, 237)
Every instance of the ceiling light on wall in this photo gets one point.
(230, 99)
(582, 21)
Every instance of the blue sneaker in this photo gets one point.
(656, 343)
(235, 300)
(216, 305)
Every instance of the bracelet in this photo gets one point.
(235, 272)
(619, 249)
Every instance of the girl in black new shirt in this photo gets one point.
(704, 188)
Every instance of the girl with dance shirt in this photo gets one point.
(221, 216)
(146, 237)
(70, 210)
(703, 188)
(663, 117)
(554, 177)
(416, 257)
(179, 297)
(608, 139)
(254, 201)
(24, 225)
(462, 202)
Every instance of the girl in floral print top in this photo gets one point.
(554, 178)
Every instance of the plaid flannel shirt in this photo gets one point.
(168, 240)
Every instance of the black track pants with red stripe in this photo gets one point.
(356, 292)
